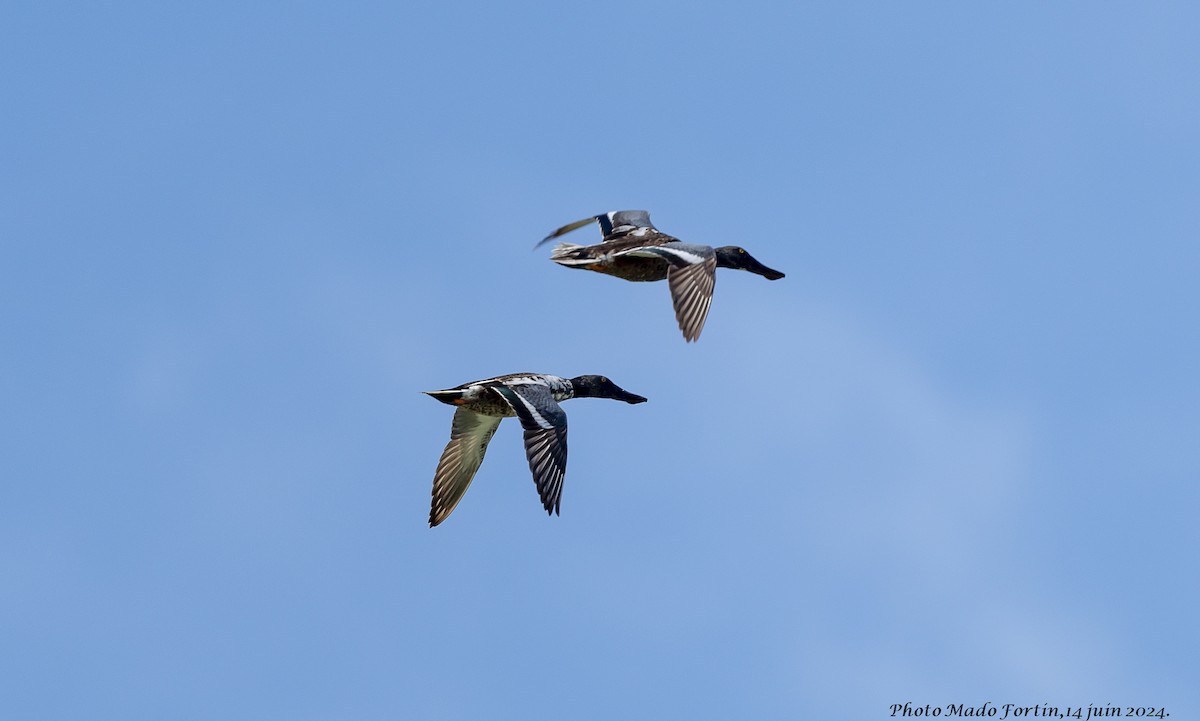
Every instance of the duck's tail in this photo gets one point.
(571, 254)
(452, 397)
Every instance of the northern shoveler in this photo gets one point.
(531, 397)
(635, 250)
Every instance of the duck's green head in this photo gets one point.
(731, 256)
(602, 387)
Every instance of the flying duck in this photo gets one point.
(635, 250)
(531, 397)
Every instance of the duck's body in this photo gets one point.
(532, 397)
(633, 249)
(483, 397)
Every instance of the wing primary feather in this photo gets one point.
(564, 230)
(470, 433)
(545, 426)
(546, 449)
(691, 293)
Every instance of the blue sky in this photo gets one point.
(951, 458)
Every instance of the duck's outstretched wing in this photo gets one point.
(470, 434)
(613, 225)
(691, 294)
(692, 276)
(545, 426)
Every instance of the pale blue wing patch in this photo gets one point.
(534, 405)
(624, 221)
